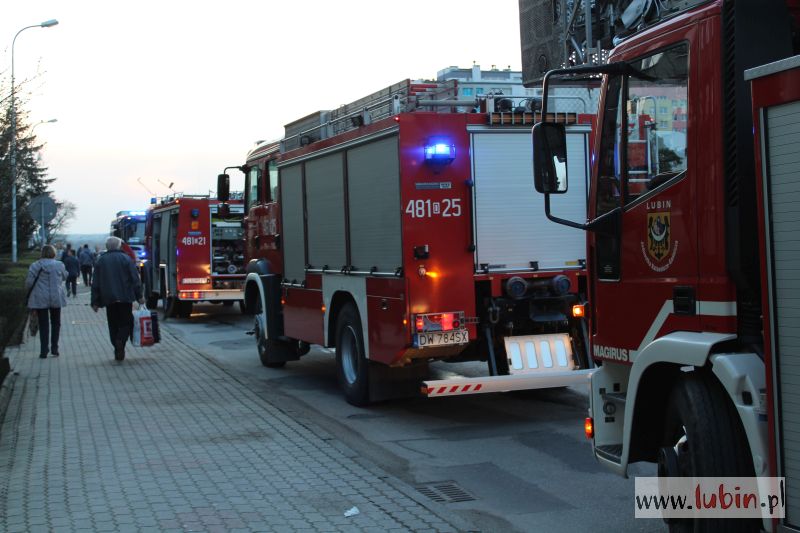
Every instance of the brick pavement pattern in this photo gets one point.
(168, 441)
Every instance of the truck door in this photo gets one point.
(253, 209)
(644, 273)
(171, 256)
(263, 222)
(155, 251)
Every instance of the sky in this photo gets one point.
(174, 91)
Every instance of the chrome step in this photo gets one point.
(611, 452)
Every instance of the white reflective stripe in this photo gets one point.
(544, 380)
(716, 308)
(561, 354)
(516, 356)
(530, 349)
(544, 351)
(703, 308)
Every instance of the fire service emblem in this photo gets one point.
(658, 234)
(659, 250)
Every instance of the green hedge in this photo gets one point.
(13, 311)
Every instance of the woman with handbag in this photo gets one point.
(45, 284)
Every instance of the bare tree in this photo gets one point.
(65, 212)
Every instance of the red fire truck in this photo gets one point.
(194, 253)
(692, 274)
(400, 231)
(129, 226)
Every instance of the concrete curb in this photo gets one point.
(6, 390)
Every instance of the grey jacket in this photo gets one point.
(49, 289)
(115, 279)
(86, 257)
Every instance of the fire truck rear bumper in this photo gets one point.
(211, 295)
(544, 380)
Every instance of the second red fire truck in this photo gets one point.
(400, 232)
(194, 253)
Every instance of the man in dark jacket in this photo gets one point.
(86, 259)
(115, 286)
(73, 270)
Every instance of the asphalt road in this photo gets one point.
(500, 462)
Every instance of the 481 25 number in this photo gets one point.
(449, 207)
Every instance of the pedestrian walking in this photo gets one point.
(73, 271)
(86, 259)
(46, 297)
(115, 286)
(65, 252)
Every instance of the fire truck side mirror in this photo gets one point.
(549, 158)
(223, 187)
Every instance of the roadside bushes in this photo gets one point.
(13, 310)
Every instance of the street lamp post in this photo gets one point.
(45, 24)
(43, 122)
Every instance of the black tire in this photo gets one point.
(703, 437)
(270, 352)
(185, 310)
(243, 308)
(351, 363)
(152, 300)
(267, 350)
(227, 303)
(171, 307)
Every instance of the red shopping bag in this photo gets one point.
(143, 327)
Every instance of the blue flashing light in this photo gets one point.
(440, 152)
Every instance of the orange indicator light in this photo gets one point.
(588, 427)
(432, 274)
(324, 308)
(578, 311)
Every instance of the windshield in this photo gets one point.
(651, 149)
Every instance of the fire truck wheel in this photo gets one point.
(185, 309)
(171, 307)
(152, 301)
(703, 437)
(351, 363)
(227, 303)
(265, 348)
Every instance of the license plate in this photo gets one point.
(442, 338)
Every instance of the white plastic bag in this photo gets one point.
(142, 327)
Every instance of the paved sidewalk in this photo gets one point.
(167, 440)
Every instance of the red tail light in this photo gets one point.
(439, 321)
(588, 427)
(447, 321)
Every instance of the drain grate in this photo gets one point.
(445, 492)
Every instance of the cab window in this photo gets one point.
(273, 181)
(656, 110)
(253, 187)
(651, 149)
